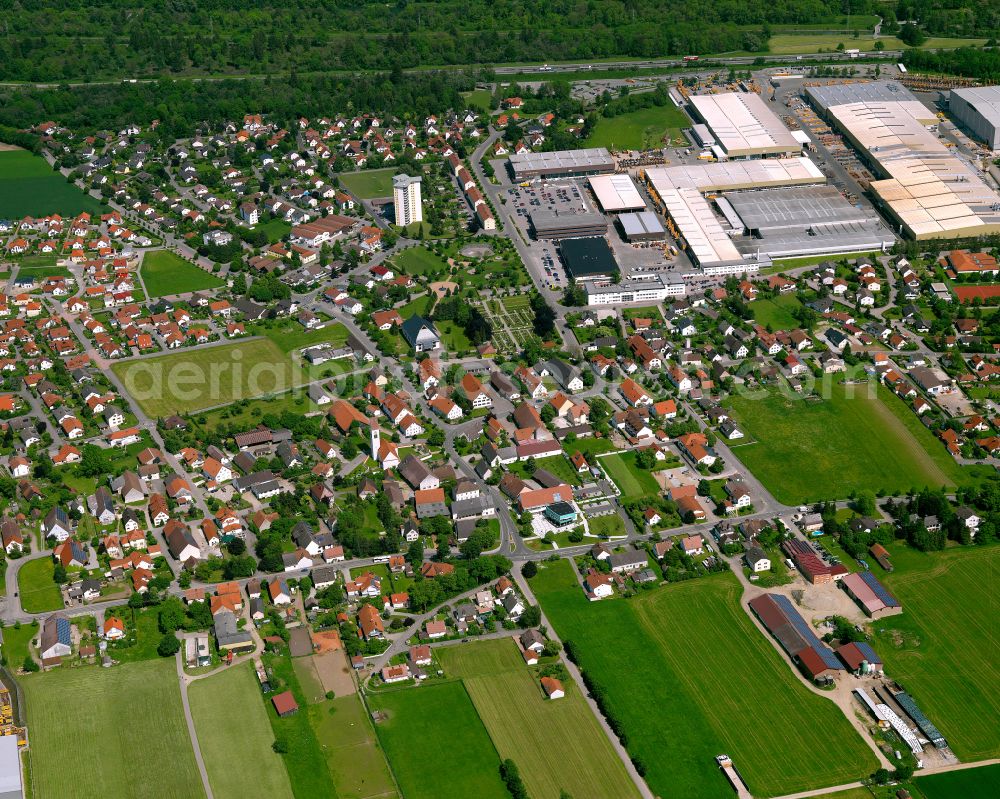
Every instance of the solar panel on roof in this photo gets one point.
(867, 652)
(879, 590)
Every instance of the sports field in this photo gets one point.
(29, 187)
(38, 592)
(964, 784)
(165, 273)
(124, 727)
(879, 444)
(369, 183)
(353, 755)
(640, 130)
(776, 313)
(943, 648)
(436, 744)
(630, 479)
(204, 377)
(418, 261)
(689, 676)
(527, 728)
(232, 728)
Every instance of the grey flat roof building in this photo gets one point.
(641, 226)
(591, 161)
(553, 223)
(978, 111)
(804, 220)
(823, 97)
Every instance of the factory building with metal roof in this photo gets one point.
(978, 110)
(616, 193)
(743, 125)
(562, 163)
(927, 188)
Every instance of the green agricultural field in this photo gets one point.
(232, 728)
(418, 261)
(204, 377)
(640, 130)
(437, 744)
(353, 755)
(982, 781)
(789, 43)
(369, 183)
(527, 728)
(879, 445)
(776, 313)
(16, 643)
(107, 714)
(671, 641)
(630, 479)
(38, 591)
(165, 273)
(29, 187)
(947, 628)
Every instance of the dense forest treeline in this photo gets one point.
(970, 62)
(182, 105)
(55, 40)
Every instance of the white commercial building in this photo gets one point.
(631, 291)
(616, 193)
(406, 200)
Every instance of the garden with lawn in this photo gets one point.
(436, 743)
(105, 714)
(672, 639)
(776, 313)
(39, 592)
(30, 187)
(806, 449)
(527, 727)
(631, 480)
(165, 273)
(947, 628)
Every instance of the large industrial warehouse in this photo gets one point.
(928, 189)
(743, 126)
(562, 163)
(802, 220)
(774, 208)
(978, 109)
